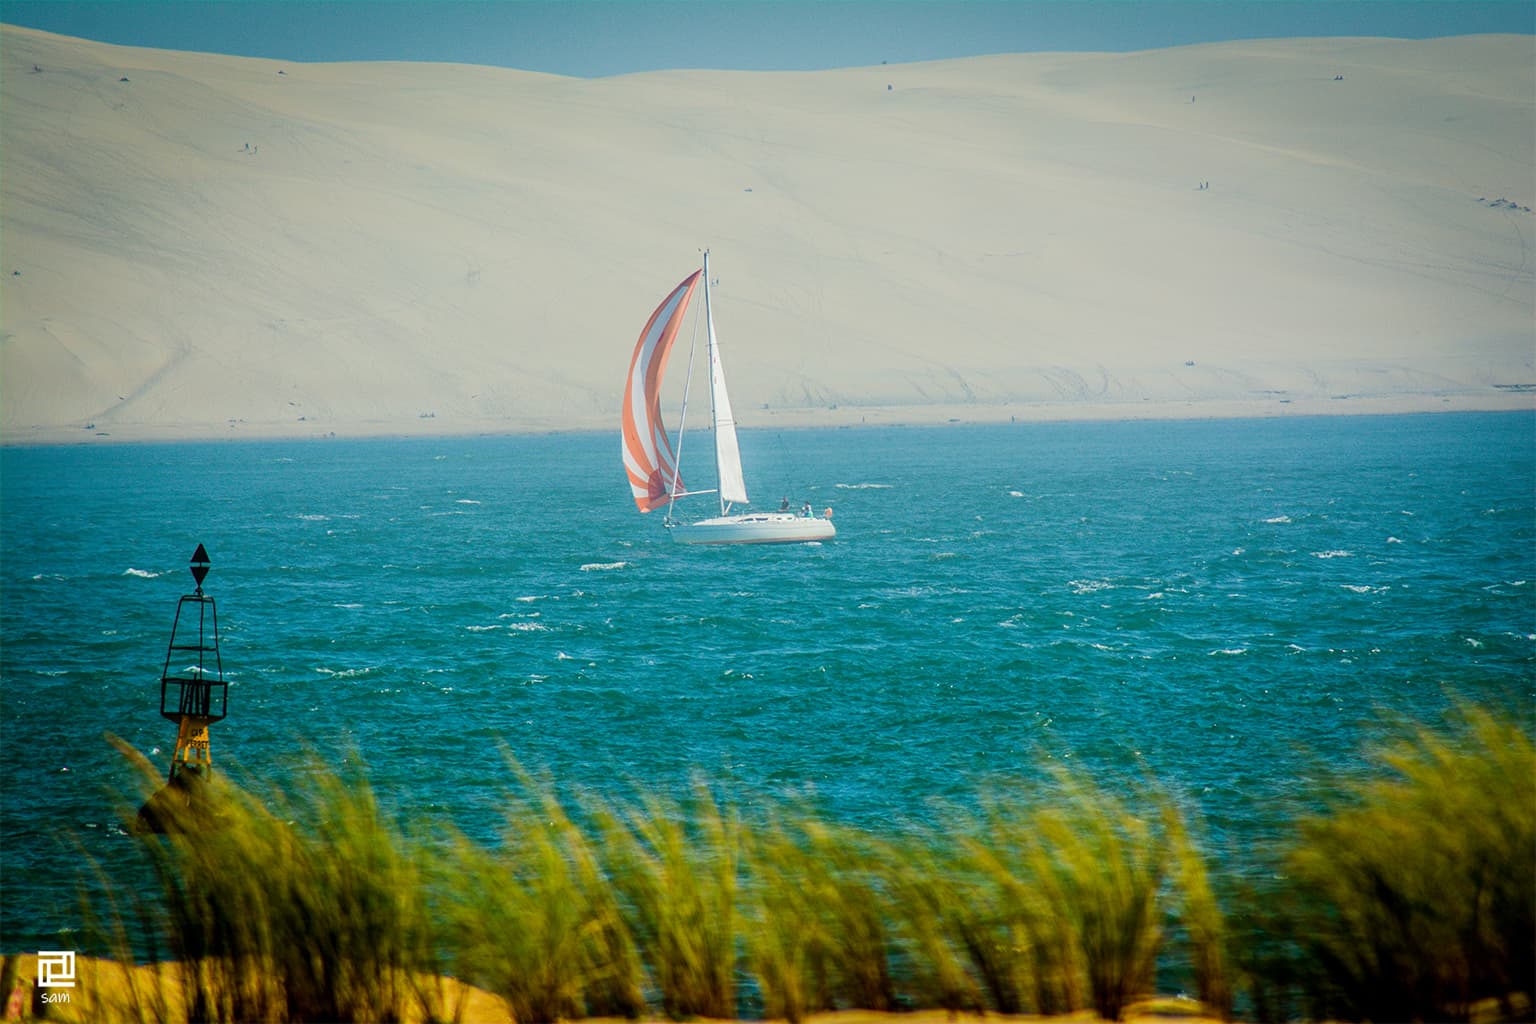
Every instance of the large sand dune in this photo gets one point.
(210, 246)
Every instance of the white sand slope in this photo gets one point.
(209, 246)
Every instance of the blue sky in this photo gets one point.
(605, 37)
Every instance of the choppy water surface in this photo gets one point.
(1224, 606)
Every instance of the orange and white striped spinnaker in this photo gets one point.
(648, 457)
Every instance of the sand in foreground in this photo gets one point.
(106, 990)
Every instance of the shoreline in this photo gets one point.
(843, 417)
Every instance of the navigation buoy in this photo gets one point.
(194, 695)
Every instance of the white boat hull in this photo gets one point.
(754, 528)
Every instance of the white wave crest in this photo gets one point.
(1278, 519)
(864, 487)
(604, 566)
(1081, 587)
(1333, 554)
(143, 574)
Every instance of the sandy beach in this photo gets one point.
(114, 990)
(202, 246)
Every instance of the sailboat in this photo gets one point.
(652, 462)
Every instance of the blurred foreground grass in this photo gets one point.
(1411, 895)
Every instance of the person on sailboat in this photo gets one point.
(805, 510)
(784, 504)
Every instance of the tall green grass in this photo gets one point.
(1415, 896)
(1203, 920)
(303, 903)
(819, 916)
(303, 906)
(1101, 867)
(674, 868)
(1072, 882)
(1412, 897)
(535, 920)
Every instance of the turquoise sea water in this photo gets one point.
(1226, 606)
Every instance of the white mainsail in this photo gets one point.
(733, 486)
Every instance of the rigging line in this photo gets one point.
(790, 479)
